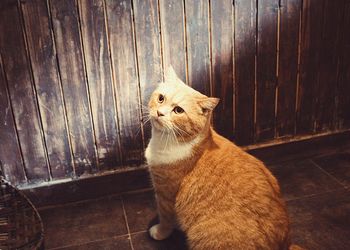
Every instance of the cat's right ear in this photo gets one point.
(208, 104)
(170, 74)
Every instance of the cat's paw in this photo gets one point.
(159, 233)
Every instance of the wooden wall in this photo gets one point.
(76, 74)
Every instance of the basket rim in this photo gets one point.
(42, 232)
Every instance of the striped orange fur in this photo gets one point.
(219, 195)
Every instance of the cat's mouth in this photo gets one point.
(157, 123)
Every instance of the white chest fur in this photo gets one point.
(160, 151)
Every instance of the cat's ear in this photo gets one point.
(208, 104)
(170, 74)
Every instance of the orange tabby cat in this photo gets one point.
(220, 196)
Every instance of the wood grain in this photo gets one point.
(197, 34)
(22, 95)
(99, 74)
(288, 66)
(222, 35)
(120, 26)
(75, 91)
(310, 53)
(328, 65)
(48, 88)
(343, 110)
(148, 44)
(76, 76)
(266, 69)
(245, 48)
(11, 161)
(173, 36)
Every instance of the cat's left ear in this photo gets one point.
(208, 103)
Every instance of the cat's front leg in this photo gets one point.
(166, 215)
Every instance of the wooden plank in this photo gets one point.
(266, 69)
(24, 103)
(288, 66)
(48, 88)
(343, 110)
(99, 74)
(310, 53)
(126, 81)
(89, 188)
(302, 148)
(148, 44)
(173, 36)
(222, 65)
(197, 34)
(75, 92)
(11, 161)
(328, 65)
(245, 47)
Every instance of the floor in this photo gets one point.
(317, 192)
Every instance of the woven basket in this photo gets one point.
(20, 224)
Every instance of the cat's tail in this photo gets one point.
(295, 247)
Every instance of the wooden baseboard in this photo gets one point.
(138, 179)
(89, 188)
(304, 148)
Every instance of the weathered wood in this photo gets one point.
(222, 34)
(266, 69)
(24, 103)
(99, 74)
(149, 60)
(44, 65)
(343, 110)
(70, 57)
(173, 36)
(328, 65)
(288, 66)
(11, 161)
(101, 59)
(310, 53)
(245, 47)
(197, 34)
(120, 26)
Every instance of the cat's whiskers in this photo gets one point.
(144, 107)
(179, 133)
(174, 133)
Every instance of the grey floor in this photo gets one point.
(316, 190)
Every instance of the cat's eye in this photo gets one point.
(160, 98)
(178, 110)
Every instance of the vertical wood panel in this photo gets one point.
(100, 61)
(328, 65)
(288, 66)
(11, 160)
(98, 66)
(126, 81)
(148, 53)
(312, 16)
(18, 75)
(70, 58)
(173, 36)
(245, 48)
(197, 30)
(266, 69)
(343, 110)
(44, 65)
(222, 64)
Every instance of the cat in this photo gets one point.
(219, 195)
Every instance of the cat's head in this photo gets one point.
(177, 108)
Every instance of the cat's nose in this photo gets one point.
(159, 113)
